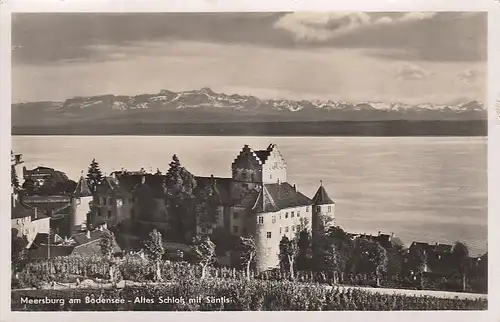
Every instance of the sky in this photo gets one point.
(409, 57)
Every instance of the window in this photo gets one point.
(109, 213)
(329, 208)
(235, 215)
(286, 214)
(307, 209)
(203, 230)
(268, 234)
(293, 213)
(318, 208)
(270, 176)
(286, 229)
(261, 220)
(235, 229)
(298, 213)
(274, 219)
(280, 230)
(104, 201)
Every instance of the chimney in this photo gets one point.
(87, 234)
(295, 187)
(379, 233)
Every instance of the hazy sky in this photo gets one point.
(405, 57)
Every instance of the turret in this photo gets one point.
(323, 215)
(81, 201)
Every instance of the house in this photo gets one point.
(28, 221)
(58, 208)
(439, 257)
(40, 175)
(84, 243)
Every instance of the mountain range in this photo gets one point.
(205, 108)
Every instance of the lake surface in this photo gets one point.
(431, 189)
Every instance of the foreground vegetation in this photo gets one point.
(230, 295)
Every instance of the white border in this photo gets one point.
(8, 6)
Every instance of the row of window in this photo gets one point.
(287, 229)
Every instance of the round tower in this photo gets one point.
(81, 205)
(323, 215)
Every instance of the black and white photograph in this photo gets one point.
(249, 161)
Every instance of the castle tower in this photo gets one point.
(266, 232)
(81, 204)
(323, 215)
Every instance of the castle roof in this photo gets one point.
(222, 187)
(275, 196)
(21, 210)
(265, 202)
(82, 188)
(321, 197)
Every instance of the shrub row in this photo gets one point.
(230, 295)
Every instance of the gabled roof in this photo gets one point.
(263, 155)
(42, 251)
(21, 210)
(321, 197)
(81, 238)
(82, 188)
(265, 202)
(273, 197)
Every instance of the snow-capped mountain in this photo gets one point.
(205, 105)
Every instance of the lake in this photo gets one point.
(431, 189)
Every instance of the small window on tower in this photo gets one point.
(293, 214)
(286, 215)
(307, 209)
(268, 234)
(261, 220)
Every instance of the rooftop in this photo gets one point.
(321, 197)
(82, 188)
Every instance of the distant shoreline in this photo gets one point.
(323, 128)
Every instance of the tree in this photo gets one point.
(248, 251)
(14, 180)
(207, 205)
(204, 250)
(29, 186)
(370, 257)
(94, 176)
(288, 253)
(106, 245)
(305, 253)
(460, 255)
(179, 185)
(19, 253)
(415, 263)
(155, 251)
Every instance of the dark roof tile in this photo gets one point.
(321, 197)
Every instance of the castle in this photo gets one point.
(257, 200)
